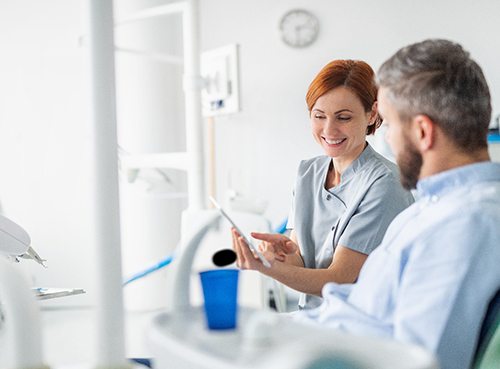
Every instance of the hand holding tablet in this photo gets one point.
(247, 239)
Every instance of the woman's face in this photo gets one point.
(339, 123)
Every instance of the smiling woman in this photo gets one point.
(339, 124)
(344, 200)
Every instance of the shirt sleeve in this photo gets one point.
(337, 312)
(385, 199)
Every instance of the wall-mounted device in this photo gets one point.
(219, 69)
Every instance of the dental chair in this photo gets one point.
(489, 337)
(491, 357)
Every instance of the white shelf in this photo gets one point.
(173, 8)
(164, 58)
(173, 160)
(192, 161)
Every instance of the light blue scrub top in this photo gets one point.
(430, 281)
(354, 214)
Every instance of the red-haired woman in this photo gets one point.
(343, 201)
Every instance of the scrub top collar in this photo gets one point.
(357, 164)
(437, 184)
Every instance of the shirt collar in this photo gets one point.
(358, 163)
(458, 177)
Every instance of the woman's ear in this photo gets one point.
(373, 114)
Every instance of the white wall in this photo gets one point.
(45, 137)
(45, 133)
(264, 142)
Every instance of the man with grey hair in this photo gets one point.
(430, 281)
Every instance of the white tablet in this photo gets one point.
(247, 239)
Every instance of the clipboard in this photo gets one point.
(42, 293)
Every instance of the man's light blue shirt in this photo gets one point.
(430, 281)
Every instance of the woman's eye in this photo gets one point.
(343, 118)
(319, 116)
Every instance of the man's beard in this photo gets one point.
(410, 163)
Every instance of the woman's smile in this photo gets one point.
(334, 142)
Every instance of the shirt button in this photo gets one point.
(328, 197)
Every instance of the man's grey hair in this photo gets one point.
(437, 78)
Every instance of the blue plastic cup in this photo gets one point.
(220, 291)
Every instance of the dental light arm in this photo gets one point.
(15, 242)
(179, 278)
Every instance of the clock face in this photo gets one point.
(299, 28)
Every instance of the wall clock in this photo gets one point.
(299, 28)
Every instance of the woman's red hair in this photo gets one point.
(356, 75)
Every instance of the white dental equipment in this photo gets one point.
(15, 242)
(21, 328)
(247, 239)
(179, 339)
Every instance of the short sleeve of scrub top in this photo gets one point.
(355, 214)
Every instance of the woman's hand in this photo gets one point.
(245, 258)
(279, 245)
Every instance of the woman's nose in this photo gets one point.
(330, 126)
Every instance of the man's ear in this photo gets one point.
(424, 132)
